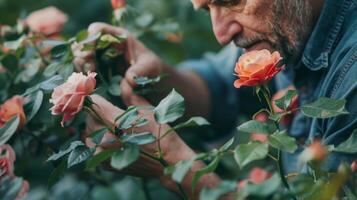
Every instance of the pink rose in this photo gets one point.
(7, 159)
(68, 98)
(48, 21)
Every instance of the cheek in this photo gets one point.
(260, 9)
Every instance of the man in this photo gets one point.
(317, 38)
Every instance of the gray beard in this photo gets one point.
(292, 25)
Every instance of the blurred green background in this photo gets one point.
(194, 25)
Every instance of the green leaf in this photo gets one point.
(99, 158)
(8, 130)
(114, 88)
(325, 108)
(54, 42)
(227, 145)
(66, 151)
(143, 80)
(193, 122)
(125, 156)
(34, 104)
(180, 170)
(281, 140)
(79, 155)
(60, 50)
(108, 39)
(139, 139)
(254, 126)
(215, 193)
(246, 153)
(57, 173)
(170, 108)
(264, 189)
(10, 187)
(16, 44)
(91, 39)
(52, 69)
(81, 35)
(284, 102)
(128, 119)
(98, 135)
(66, 71)
(51, 83)
(10, 62)
(348, 146)
(208, 169)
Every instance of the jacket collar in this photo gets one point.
(325, 34)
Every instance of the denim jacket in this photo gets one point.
(328, 68)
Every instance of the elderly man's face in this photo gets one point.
(261, 24)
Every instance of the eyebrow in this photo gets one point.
(218, 2)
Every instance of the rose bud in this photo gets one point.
(314, 152)
(68, 98)
(10, 109)
(117, 4)
(354, 166)
(257, 68)
(48, 21)
(256, 176)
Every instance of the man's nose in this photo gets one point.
(224, 24)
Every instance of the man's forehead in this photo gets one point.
(198, 3)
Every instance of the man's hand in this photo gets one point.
(173, 148)
(143, 62)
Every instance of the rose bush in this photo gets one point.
(42, 83)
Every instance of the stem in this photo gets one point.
(281, 171)
(267, 96)
(158, 142)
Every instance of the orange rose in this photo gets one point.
(7, 159)
(48, 21)
(68, 98)
(257, 68)
(117, 4)
(11, 108)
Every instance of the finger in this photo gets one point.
(146, 66)
(129, 97)
(99, 27)
(105, 109)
